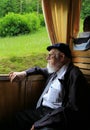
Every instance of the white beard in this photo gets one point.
(51, 69)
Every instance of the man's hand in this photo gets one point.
(32, 127)
(17, 76)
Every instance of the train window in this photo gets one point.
(82, 42)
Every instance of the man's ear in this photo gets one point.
(62, 57)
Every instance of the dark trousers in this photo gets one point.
(25, 119)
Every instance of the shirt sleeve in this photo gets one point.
(37, 70)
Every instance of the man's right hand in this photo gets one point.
(17, 76)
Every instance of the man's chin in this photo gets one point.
(50, 69)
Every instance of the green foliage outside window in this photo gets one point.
(85, 8)
(15, 24)
(19, 6)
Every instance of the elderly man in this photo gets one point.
(64, 101)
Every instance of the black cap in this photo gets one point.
(61, 47)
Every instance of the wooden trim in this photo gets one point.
(81, 60)
(81, 53)
(84, 66)
(4, 77)
(85, 72)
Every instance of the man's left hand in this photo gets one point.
(32, 127)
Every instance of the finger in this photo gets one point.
(15, 78)
(12, 77)
(11, 74)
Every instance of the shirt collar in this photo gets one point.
(62, 71)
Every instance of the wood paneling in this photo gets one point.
(17, 96)
(82, 60)
(81, 53)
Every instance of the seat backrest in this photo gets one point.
(82, 59)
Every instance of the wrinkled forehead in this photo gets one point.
(54, 51)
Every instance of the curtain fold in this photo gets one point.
(62, 19)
